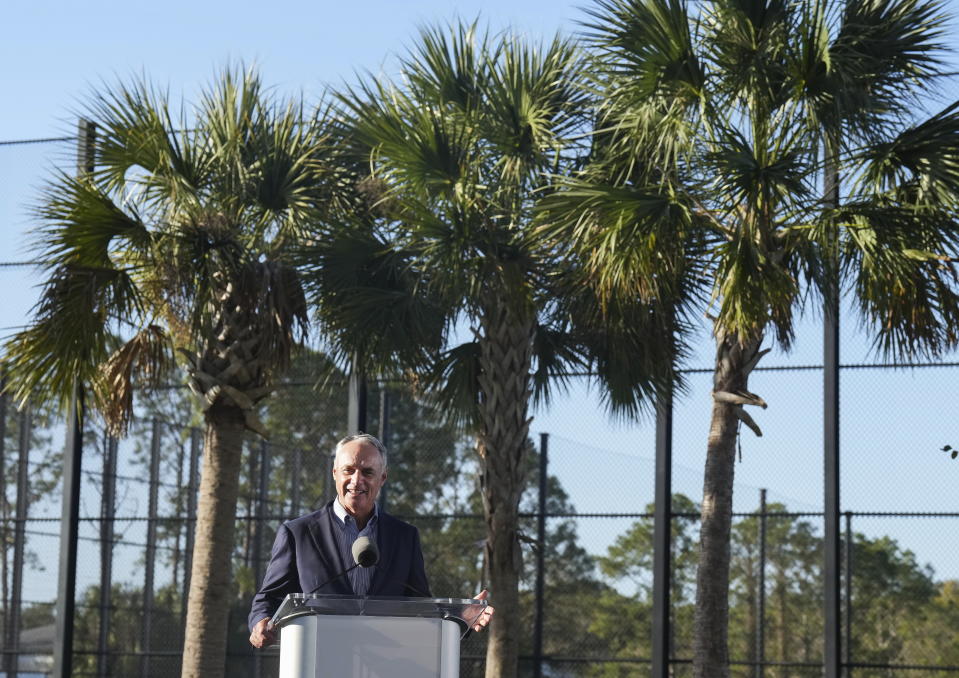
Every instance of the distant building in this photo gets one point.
(35, 656)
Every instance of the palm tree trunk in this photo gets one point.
(502, 441)
(710, 638)
(204, 647)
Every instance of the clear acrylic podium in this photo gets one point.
(337, 636)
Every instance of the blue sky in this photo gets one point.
(55, 52)
(52, 51)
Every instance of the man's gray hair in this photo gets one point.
(365, 437)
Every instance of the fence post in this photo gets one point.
(847, 644)
(385, 433)
(832, 639)
(195, 443)
(662, 536)
(261, 509)
(249, 522)
(72, 458)
(540, 554)
(149, 569)
(356, 409)
(20, 535)
(107, 515)
(263, 489)
(69, 535)
(6, 654)
(296, 478)
(761, 597)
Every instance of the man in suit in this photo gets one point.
(310, 551)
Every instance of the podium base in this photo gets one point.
(335, 646)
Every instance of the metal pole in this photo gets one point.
(150, 566)
(356, 411)
(296, 474)
(847, 645)
(385, 433)
(761, 597)
(193, 483)
(261, 509)
(72, 459)
(662, 536)
(69, 534)
(20, 535)
(6, 655)
(253, 458)
(540, 554)
(832, 632)
(261, 512)
(328, 490)
(107, 515)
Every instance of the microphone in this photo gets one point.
(365, 554)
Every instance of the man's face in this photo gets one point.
(359, 474)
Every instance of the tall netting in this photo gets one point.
(900, 600)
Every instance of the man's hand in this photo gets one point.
(481, 622)
(261, 635)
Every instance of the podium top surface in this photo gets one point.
(464, 611)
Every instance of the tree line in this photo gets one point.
(598, 605)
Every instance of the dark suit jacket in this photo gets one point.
(305, 555)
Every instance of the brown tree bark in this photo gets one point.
(204, 647)
(505, 357)
(230, 376)
(734, 360)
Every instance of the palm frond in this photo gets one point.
(144, 360)
(282, 305)
(754, 290)
(885, 59)
(534, 104)
(67, 338)
(642, 140)
(452, 383)
(556, 354)
(448, 65)
(922, 159)
(372, 302)
(748, 43)
(902, 266)
(635, 347)
(632, 238)
(766, 176)
(649, 42)
(141, 143)
(85, 227)
(810, 70)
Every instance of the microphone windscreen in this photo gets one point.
(365, 552)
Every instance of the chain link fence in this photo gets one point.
(138, 502)
(899, 585)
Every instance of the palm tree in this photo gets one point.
(179, 243)
(716, 131)
(458, 154)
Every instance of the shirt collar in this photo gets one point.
(341, 513)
